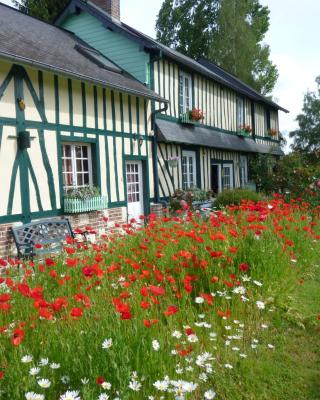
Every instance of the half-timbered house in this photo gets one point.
(69, 117)
(213, 152)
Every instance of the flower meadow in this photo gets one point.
(176, 307)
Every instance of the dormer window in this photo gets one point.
(240, 112)
(185, 93)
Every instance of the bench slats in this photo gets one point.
(49, 233)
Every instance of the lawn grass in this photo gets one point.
(224, 308)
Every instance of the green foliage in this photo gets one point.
(295, 175)
(227, 32)
(83, 193)
(261, 171)
(183, 198)
(235, 197)
(46, 10)
(307, 137)
(187, 25)
(163, 255)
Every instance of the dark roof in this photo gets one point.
(210, 70)
(173, 132)
(30, 41)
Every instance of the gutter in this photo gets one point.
(155, 154)
(71, 74)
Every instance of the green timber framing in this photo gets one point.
(137, 108)
(213, 92)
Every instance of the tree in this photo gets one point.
(227, 32)
(307, 137)
(46, 10)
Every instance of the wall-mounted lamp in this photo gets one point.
(24, 140)
(21, 103)
(138, 138)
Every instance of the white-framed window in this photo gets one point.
(240, 112)
(243, 169)
(227, 176)
(76, 165)
(188, 169)
(185, 92)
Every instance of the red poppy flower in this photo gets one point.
(157, 290)
(17, 337)
(76, 312)
(244, 267)
(100, 380)
(171, 310)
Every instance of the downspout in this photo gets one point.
(155, 154)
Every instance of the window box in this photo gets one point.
(243, 133)
(173, 162)
(75, 206)
(185, 119)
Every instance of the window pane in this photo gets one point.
(79, 179)
(67, 165)
(67, 179)
(79, 166)
(85, 165)
(78, 151)
(86, 178)
(84, 151)
(66, 150)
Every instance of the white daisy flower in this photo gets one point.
(70, 395)
(84, 381)
(103, 396)
(54, 366)
(34, 396)
(193, 338)
(176, 334)
(135, 385)
(270, 346)
(242, 355)
(106, 385)
(228, 366)
(260, 305)
(203, 377)
(107, 343)
(34, 371)
(155, 345)
(43, 362)
(209, 394)
(201, 316)
(199, 300)
(264, 326)
(257, 283)
(44, 383)
(161, 385)
(27, 359)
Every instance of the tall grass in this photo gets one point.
(220, 283)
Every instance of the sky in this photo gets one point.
(293, 37)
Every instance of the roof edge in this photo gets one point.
(15, 58)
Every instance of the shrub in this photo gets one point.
(83, 193)
(235, 197)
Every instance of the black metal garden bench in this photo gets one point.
(41, 237)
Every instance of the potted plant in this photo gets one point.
(84, 199)
(244, 130)
(272, 132)
(193, 116)
(173, 162)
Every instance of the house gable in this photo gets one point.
(125, 52)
